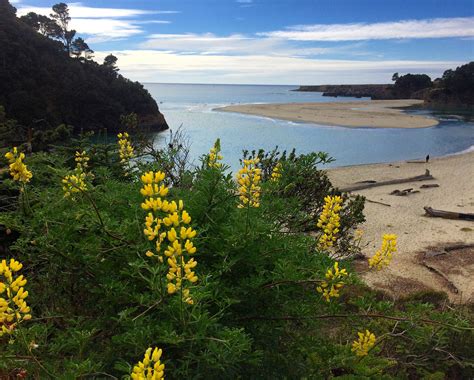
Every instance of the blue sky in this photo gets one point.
(274, 41)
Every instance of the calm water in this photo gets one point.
(191, 107)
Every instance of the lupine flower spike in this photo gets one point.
(167, 223)
(126, 151)
(329, 221)
(18, 169)
(76, 182)
(362, 346)
(151, 366)
(215, 156)
(383, 256)
(276, 172)
(331, 286)
(13, 307)
(248, 178)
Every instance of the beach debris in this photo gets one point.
(429, 186)
(404, 192)
(371, 201)
(361, 186)
(448, 214)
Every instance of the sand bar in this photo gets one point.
(411, 269)
(372, 114)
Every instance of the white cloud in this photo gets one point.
(102, 24)
(209, 43)
(429, 28)
(235, 44)
(160, 66)
(77, 10)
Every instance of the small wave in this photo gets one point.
(468, 150)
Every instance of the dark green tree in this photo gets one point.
(61, 16)
(406, 85)
(42, 24)
(80, 47)
(111, 62)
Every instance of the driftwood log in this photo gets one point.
(424, 177)
(448, 214)
(429, 185)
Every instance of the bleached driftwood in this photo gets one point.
(448, 214)
(424, 177)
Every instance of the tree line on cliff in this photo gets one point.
(48, 79)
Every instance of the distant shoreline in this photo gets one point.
(369, 114)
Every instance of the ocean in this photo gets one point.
(190, 107)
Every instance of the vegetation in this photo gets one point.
(47, 79)
(149, 269)
(406, 86)
(454, 87)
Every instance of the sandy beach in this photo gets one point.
(425, 258)
(373, 114)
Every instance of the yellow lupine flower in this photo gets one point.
(276, 172)
(151, 366)
(329, 221)
(383, 256)
(214, 156)
(18, 170)
(362, 346)
(13, 307)
(248, 179)
(77, 181)
(167, 221)
(126, 151)
(331, 286)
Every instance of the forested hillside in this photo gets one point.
(43, 84)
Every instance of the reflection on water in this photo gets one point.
(191, 106)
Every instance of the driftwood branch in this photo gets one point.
(424, 177)
(371, 201)
(448, 214)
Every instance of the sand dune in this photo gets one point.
(373, 114)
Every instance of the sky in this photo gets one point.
(297, 42)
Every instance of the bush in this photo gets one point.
(98, 302)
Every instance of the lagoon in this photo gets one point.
(190, 107)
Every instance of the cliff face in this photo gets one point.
(41, 85)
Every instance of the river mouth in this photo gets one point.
(191, 108)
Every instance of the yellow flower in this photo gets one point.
(126, 151)
(13, 307)
(151, 366)
(276, 172)
(18, 169)
(362, 346)
(248, 179)
(77, 181)
(168, 223)
(214, 156)
(329, 221)
(383, 256)
(331, 286)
